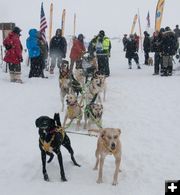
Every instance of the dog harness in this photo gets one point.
(47, 145)
(71, 112)
(109, 150)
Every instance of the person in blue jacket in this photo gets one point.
(35, 54)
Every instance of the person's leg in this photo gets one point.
(136, 59)
(11, 72)
(53, 64)
(71, 66)
(170, 65)
(146, 55)
(32, 67)
(130, 63)
(156, 63)
(59, 61)
(106, 66)
(17, 68)
(165, 60)
(101, 65)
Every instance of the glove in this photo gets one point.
(8, 47)
(21, 59)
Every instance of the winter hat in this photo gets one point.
(167, 28)
(102, 33)
(161, 30)
(146, 33)
(80, 36)
(16, 30)
(58, 31)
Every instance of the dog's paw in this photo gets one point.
(76, 164)
(114, 183)
(46, 177)
(99, 180)
(63, 179)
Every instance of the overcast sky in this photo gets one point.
(113, 16)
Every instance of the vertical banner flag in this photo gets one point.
(43, 24)
(148, 20)
(50, 21)
(63, 21)
(134, 23)
(159, 14)
(74, 27)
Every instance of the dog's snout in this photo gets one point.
(113, 145)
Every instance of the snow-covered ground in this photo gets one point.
(145, 107)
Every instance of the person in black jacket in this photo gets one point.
(124, 40)
(58, 48)
(169, 48)
(146, 46)
(177, 31)
(156, 47)
(131, 52)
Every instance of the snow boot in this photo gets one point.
(12, 77)
(18, 78)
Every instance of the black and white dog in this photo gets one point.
(51, 137)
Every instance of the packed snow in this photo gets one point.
(146, 108)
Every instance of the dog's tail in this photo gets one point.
(57, 119)
(94, 130)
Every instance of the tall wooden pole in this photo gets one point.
(50, 21)
(74, 27)
(140, 32)
(63, 21)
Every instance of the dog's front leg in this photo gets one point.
(60, 160)
(65, 119)
(78, 124)
(62, 101)
(85, 121)
(97, 160)
(43, 158)
(99, 180)
(117, 162)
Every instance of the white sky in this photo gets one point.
(113, 16)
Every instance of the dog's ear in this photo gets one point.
(37, 122)
(119, 130)
(103, 133)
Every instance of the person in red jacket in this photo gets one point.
(13, 55)
(77, 51)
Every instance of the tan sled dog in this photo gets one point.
(108, 144)
(74, 110)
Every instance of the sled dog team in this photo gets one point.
(83, 95)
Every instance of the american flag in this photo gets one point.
(43, 24)
(148, 20)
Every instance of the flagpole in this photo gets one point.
(63, 21)
(50, 21)
(140, 32)
(74, 27)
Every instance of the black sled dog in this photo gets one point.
(51, 137)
